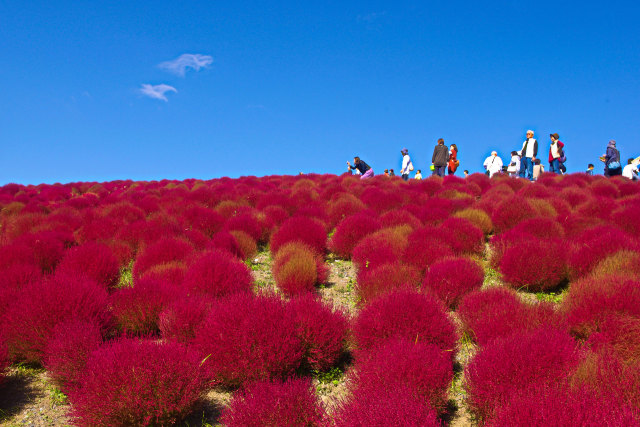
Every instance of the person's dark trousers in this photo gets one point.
(554, 166)
(405, 176)
(528, 167)
(440, 170)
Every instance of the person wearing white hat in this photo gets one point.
(493, 164)
(528, 154)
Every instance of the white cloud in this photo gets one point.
(157, 91)
(180, 65)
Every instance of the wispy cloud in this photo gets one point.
(157, 91)
(180, 65)
(371, 17)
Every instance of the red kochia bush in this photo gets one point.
(404, 314)
(451, 278)
(379, 281)
(498, 312)
(160, 252)
(15, 276)
(182, 317)
(37, 308)
(595, 244)
(249, 338)
(591, 300)
(619, 334)
(47, 248)
(425, 246)
(137, 310)
(510, 212)
(560, 406)
(350, 231)
(206, 220)
(423, 368)
(94, 261)
(463, 236)
(382, 247)
(218, 273)
(297, 269)
(68, 350)
(130, 382)
(382, 406)
(226, 241)
(508, 365)
(536, 265)
(266, 403)
(300, 229)
(321, 331)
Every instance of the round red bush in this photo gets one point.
(463, 236)
(130, 382)
(93, 261)
(297, 269)
(300, 229)
(508, 365)
(217, 273)
(452, 278)
(560, 406)
(535, 265)
(201, 218)
(423, 368)
(425, 246)
(37, 308)
(382, 406)
(510, 212)
(382, 247)
(266, 403)
(321, 331)
(183, 317)
(404, 314)
(225, 241)
(68, 349)
(378, 281)
(593, 245)
(249, 338)
(498, 312)
(350, 231)
(161, 252)
(136, 310)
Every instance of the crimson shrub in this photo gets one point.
(321, 331)
(300, 229)
(297, 269)
(378, 281)
(160, 252)
(93, 261)
(451, 278)
(131, 382)
(249, 338)
(350, 231)
(218, 273)
(404, 314)
(267, 403)
(533, 264)
(511, 364)
(180, 319)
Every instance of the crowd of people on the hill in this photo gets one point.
(524, 163)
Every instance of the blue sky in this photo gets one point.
(305, 86)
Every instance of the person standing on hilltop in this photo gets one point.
(611, 159)
(453, 159)
(555, 153)
(440, 158)
(407, 166)
(365, 170)
(493, 164)
(528, 153)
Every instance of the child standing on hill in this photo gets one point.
(453, 159)
(418, 174)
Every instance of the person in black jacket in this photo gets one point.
(440, 158)
(365, 170)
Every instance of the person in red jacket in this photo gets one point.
(555, 153)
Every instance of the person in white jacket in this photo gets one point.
(514, 165)
(631, 170)
(493, 164)
(407, 166)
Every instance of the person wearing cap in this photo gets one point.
(611, 159)
(528, 154)
(555, 153)
(407, 166)
(493, 164)
(440, 158)
(365, 170)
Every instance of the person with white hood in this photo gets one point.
(514, 166)
(493, 164)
